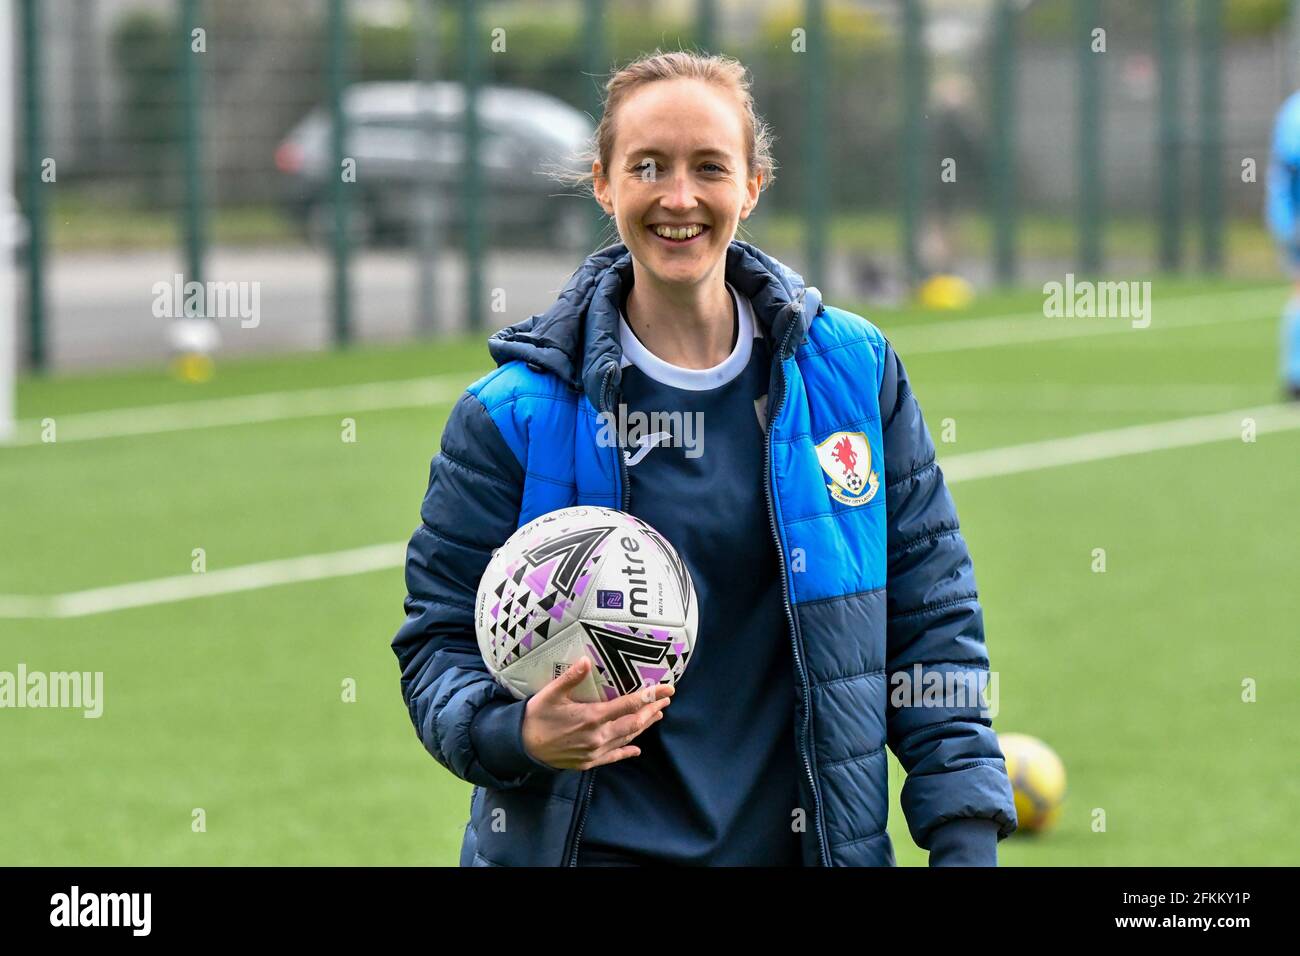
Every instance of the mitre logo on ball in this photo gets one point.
(586, 582)
(846, 459)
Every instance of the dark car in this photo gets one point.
(399, 133)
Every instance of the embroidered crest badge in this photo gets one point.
(846, 459)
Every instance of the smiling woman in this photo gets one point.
(816, 527)
(679, 159)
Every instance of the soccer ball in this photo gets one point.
(945, 292)
(586, 581)
(1037, 781)
(192, 341)
(193, 335)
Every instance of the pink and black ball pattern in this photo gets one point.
(628, 658)
(540, 590)
(586, 581)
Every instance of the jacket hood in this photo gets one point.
(577, 339)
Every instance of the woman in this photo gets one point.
(1282, 212)
(821, 539)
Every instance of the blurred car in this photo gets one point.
(399, 132)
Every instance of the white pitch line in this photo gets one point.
(938, 398)
(245, 409)
(1117, 442)
(959, 335)
(183, 587)
(956, 335)
(1015, 459)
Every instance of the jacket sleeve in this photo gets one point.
(1280, 182)
(470, 724)
(935, 633)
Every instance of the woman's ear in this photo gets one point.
(600, 187)
(753, 189)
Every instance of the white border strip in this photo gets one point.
(8, 266)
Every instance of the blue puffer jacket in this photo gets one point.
(876, 583)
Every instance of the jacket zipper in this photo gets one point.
(606, 402)
(785, 597)
(585, 801)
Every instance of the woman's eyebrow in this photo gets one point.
(702, 151)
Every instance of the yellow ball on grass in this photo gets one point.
(1037, 781)
(945, 292)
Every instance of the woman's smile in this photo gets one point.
(671, 236)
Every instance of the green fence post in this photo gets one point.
(33, 111)
(595, 64)
(471, 45)
(1210, 23)
(1169, 166)
(1291, 46)
(425, 26)
(1091, 195)
(817, 180)
(1003, 123)
(913, 138)
(706, 16)
(342, 240)
(193, 227)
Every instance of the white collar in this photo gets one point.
(693, 379)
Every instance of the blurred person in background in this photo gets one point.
(958, 159)
(1283, 214)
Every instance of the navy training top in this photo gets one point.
(716, 782)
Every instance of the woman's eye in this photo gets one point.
(648, 169)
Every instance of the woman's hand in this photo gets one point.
(570, 734)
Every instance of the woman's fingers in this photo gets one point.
(633, 701)
(586, 734)
(622, 753)
(631, 725)
(627, 729)
(567, 681)
(617, 737)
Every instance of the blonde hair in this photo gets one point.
(722, 71)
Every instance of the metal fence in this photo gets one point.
(154, 141)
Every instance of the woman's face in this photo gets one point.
(678, 160)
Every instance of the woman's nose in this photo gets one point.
(679, 194)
